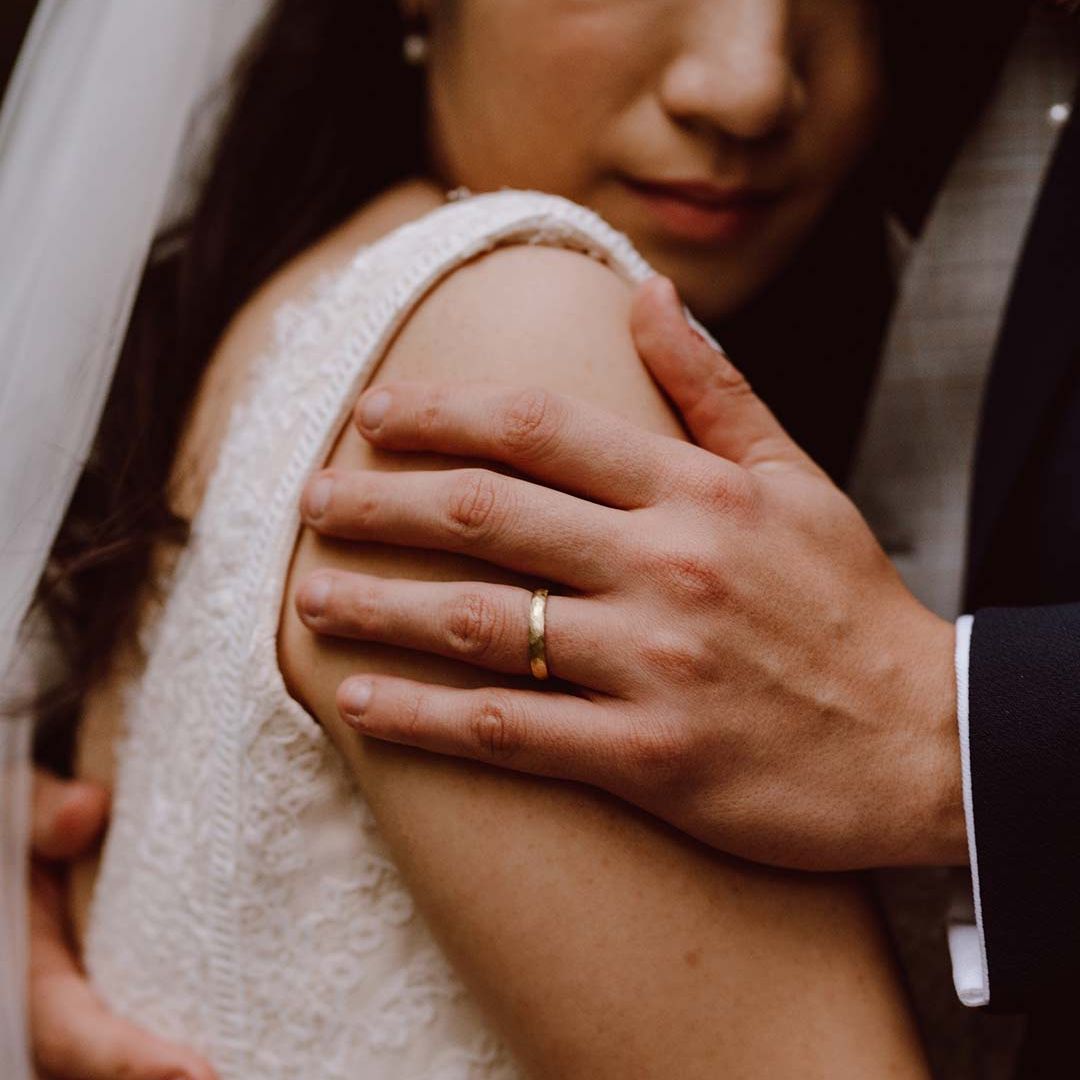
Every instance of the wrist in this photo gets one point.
(932, 830)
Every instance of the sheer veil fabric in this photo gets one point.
(107, 108)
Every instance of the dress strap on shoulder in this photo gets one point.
(226, 781)
(330, 349)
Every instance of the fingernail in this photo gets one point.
(373, 409)
(317, 497)
(354, 699)
(313, 597)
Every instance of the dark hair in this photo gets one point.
(326, 114)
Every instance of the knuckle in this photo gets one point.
(727, 379)
(473, 625)
(724, 385)
(429, 412)
(731, 492)
(687, 573)
(412, 719)
(355, 501)
(495, 728)
(528, 422)
(358, 609)
(471, 506)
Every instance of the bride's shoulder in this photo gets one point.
(515, 285)
(414, 222)
(506, 276)
(251, 331)
(500, 268)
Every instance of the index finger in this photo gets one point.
(557, 440)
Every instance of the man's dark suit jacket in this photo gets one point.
(1022, 573)
(1023, 584)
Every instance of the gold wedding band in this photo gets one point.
(537, 645)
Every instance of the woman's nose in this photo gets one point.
(735, 70)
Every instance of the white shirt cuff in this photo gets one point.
(967, 942)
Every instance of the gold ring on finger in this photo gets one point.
(537, 643)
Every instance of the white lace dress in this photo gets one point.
(247, 905)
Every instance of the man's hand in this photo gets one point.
(751, 667)
(74, 1036)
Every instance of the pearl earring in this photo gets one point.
(414, 48)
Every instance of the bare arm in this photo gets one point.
(602, 943)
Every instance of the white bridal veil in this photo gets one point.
(97, 134)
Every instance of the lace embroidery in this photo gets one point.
(247, 904)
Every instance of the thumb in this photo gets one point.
(721, 411)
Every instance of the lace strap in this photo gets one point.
(373, 298)
(233, 571)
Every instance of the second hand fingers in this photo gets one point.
(73, 1035)
(66, 817)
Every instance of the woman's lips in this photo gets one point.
(701, 212)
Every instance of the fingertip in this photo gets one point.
(371, 410)
(316, 496)
(656, 296)
(658, 319)
(667, 295)
(89, 800)
(81, 817)
(69, 816)
(313, 595)
(659, 286)
(353, 701)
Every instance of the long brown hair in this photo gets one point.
(325, 114)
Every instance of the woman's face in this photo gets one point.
(713, 132)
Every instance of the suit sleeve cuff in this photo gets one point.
(967, 941)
